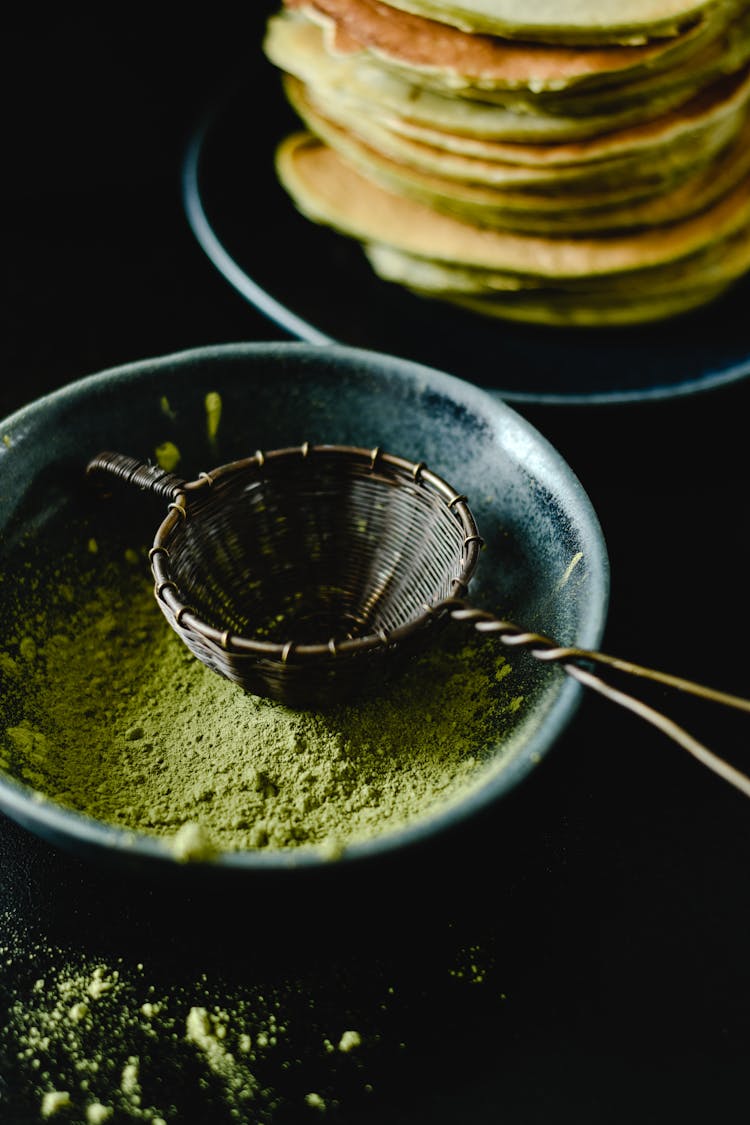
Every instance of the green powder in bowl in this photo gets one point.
(107, 713)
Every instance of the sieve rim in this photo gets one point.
(185, 619)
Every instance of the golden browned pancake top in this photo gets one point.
(412, 40)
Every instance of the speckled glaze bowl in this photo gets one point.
(545, 563)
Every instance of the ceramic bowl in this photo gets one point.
(545, 562)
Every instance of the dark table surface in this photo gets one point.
(581, 954)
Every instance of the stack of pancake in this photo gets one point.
(557, 161)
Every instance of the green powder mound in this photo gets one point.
(107, 712)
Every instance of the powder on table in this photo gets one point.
(114, 717)
(53, 1101)
(201, 1048)
(62, 1040)
(97, 1114)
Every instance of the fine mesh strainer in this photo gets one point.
(307, 574)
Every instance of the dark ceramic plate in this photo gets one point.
(532, 512)
(317, 285)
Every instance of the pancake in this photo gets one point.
(615, 200)
(328, 191)
(296, 47)
(681, 126)
(716, 266)
(652, 295)
(554, 311)
(453, 59)
(573, 216)
(722, 55)
(565, 21)
(699, 137)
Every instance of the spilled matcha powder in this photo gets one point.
(151, 1049)
(106, 711)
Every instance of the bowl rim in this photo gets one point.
(68, 828)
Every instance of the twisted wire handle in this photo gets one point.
(572, 659)
(130, 470)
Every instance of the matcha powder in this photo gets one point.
(107, 712)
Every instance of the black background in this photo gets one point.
(607, 901)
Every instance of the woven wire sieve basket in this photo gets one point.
(306, 573)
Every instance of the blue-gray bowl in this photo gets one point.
(545, 561)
